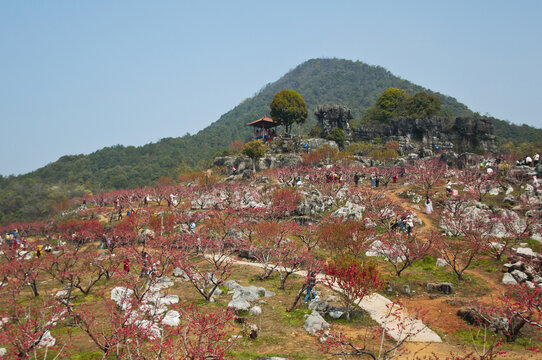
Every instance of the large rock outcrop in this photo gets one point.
(461, 134)
(334, 116)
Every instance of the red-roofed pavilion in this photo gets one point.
(264, 128)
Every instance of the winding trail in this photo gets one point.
(397, 323)
(420, 214)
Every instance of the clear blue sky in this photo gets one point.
(76, 76)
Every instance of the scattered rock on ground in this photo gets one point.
(239, 304)
(120, 295)
(255, 310)
(509, 200)
(349, 211)
(441, 262)
(319, 305)
(526, 251)
(47, 340)
(248, 293)
(519, 275)
(445, 288)
(314, 323)
(494, 191)
(336, 314)
(508, 279)
(61, 293)
(178, 272)
(172, 318)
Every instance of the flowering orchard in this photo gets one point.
(103, 271)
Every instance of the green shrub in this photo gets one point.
(338, 136)
(316, 131)
(360, 148)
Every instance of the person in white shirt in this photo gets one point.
(410, 225)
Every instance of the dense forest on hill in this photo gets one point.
(353, 84)
(508, 132)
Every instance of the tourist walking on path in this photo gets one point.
(428, 206)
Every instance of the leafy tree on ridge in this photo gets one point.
(287, 108)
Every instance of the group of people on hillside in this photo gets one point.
(265, 135)
(333, 177)
(529, 161)
(12, 238)
(128, 212)
(40, 249)
(375, 180)
(403, 223)
(449, 190)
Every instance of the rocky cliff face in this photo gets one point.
(334, 116)
(461, 134)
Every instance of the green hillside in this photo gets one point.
(354, 84)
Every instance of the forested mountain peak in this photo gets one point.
(350, 83)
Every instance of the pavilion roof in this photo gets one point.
(263, 122)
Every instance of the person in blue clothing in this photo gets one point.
(311, 282)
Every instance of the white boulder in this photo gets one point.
(172, 318)
(519, 275)
(441, 262)
(47, 340)
(526, 251)
(508, 279)
(121, 296)
(315, 323)
(239, 304)
(255, 311)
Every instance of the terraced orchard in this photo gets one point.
(310, 262)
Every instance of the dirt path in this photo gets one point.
(397, 323)
(426, 220)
